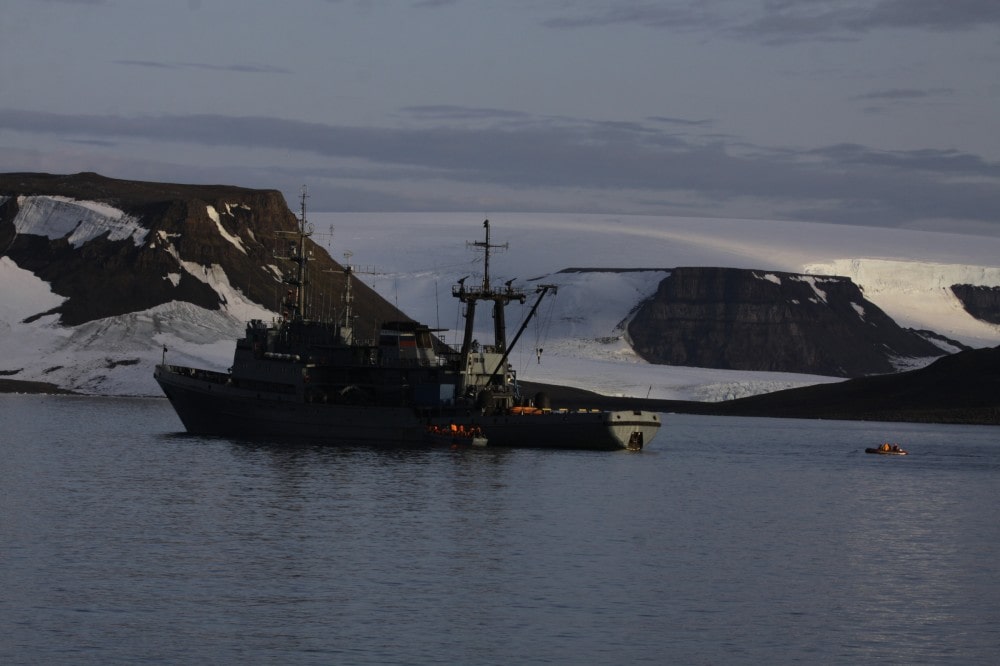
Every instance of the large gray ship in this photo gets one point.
(297, 379)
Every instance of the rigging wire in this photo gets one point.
(543, 325)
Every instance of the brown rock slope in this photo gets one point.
(103, 277)
(770, 321)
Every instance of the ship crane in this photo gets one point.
(542, 290)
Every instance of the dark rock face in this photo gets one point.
(959, 388)
(769, 321)
(103, 276)
(983, 303)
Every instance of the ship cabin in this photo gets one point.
(318, 363)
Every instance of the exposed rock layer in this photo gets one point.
(981, 302)
(770, 321)
(204, 226)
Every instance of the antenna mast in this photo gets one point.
(347, 330)
(487, 246)
(297, 254)
(500, 297)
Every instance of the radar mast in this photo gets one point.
(500, 297)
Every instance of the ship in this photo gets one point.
(297, 379)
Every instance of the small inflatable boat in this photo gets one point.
(888, 450)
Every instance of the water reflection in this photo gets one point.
(730, 540)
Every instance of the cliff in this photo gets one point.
(981, 302)
(112, 247)
(770, 321)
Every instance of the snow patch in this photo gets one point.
(116, 355)
(76, 221)
(236, 241)
(231, 297)
(770, 277)
(24, 294)
(811, 281)
(231, 206)
(918, 294)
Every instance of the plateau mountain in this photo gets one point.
(103, 277)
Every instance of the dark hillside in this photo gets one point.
(103, 277)
(961, 388)
(981, 302)
(770, 321)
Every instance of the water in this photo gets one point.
(726, 541)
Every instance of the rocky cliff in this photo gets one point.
(112, 247)
(770, 321)
(981, 302)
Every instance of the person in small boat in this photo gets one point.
(885, 447)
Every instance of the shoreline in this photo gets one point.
(780, 405)
(568, 397)
(22, 386)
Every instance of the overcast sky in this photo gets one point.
(872, 112)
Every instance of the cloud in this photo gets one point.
(414, 3)
(245, 68)
(784, 21)
(942, 162)
(905, 94)
(678, 15)
(434, 3)
(687, 122)
(885, 100)
(557, 159)
(453, 112)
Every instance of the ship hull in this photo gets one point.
(208, 405)
(567, 429)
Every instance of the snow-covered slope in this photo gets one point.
(580, 334)
(917, 294)
(76, 221)
(413, 259)
(111, 356)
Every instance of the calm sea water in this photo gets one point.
(726, 541)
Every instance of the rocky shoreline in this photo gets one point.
(18, 386)
(962, 388)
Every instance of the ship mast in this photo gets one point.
(500, 297)
(347, 329)
(297, 254)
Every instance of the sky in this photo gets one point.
(856, 112)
